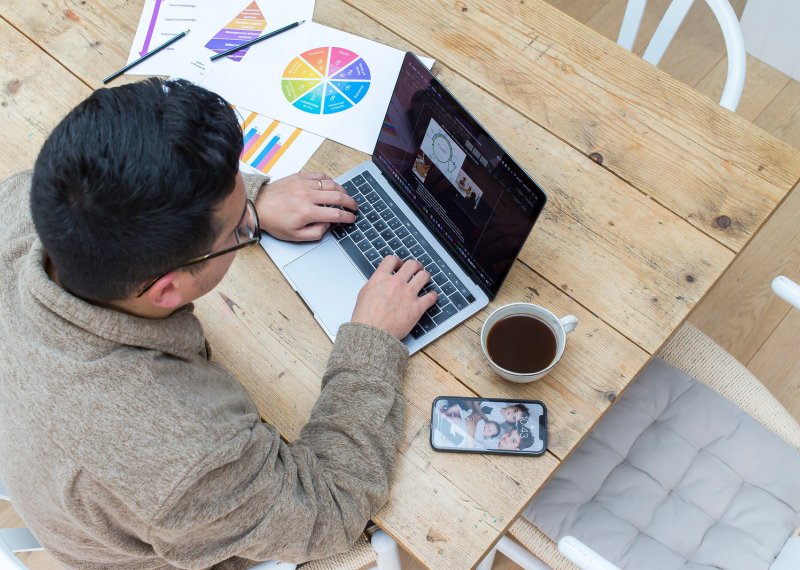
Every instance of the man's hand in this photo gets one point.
(293, 208)
(390, 301)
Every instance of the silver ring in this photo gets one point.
(320, 184)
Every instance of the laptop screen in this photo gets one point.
(468, 190)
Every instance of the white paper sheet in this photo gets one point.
(215, 25)
(272, 147)
(320, 79)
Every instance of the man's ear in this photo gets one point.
(171, 291)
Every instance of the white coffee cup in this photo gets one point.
(559, 327)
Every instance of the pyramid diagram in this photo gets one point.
(244, 27)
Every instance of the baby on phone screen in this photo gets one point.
(473, 430)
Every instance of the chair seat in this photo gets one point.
(670, 450)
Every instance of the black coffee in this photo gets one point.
(522, 344)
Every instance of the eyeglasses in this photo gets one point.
(248, 232)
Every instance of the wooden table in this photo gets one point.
(653, 192)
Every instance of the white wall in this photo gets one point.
(771, 30)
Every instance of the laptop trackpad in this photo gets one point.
(329, 283)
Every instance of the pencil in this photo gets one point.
(151, 53)
(255, 41)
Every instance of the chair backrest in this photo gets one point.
(787, 290)
(7, 558)
(15, 540)
(666, 30)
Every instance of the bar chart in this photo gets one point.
(272, 147)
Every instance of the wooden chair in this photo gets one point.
(666, 30)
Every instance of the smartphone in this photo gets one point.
(489, 425)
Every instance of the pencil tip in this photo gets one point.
(301, 22)
(187, 32)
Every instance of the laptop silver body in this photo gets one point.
(400, 215)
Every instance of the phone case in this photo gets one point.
(489, 425)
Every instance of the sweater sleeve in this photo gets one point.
(258, 498)
(253, 184)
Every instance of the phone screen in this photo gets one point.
(489, 425)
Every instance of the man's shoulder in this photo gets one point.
(16, 188)
(137, 421)
(15, 217)
(18, 178)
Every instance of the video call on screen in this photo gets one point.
(460, 181)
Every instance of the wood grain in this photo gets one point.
(581, 10)
(35, 93)
(782, 116)
(629, 266)
(696, 48)
(593, 220)
(776, 363)
(91, 39)
(662, 137)
(260, 330)
(762, 85)
(741, 312)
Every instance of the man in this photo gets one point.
(122, 445)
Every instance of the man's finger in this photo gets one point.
(390, 264)
(409, 268)
(335, 198)
(419, 280)
(427, 300)
(332, 215)
(311, 232)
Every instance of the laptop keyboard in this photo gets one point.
(382, 229)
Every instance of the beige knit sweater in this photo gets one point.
(123, 447)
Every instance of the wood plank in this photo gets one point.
(762, 85)
(581, 10)
(302, 367)
(781, 117)
(698, 46)
(263, 333)
(91, 39)
(261, 317)
(642, 122)
(577, 273)
(33, 560)
(695, 37)
(607, 22)
(740, 312)
(35, 93)
(574, 397)
(777, 365)
(646, 294)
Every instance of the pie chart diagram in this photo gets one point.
(326, 80)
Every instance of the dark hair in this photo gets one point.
(522, 408)
(126, 185)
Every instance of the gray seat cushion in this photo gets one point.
(675, 476)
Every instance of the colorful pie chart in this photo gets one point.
(326, 80)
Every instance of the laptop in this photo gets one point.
(438, 189)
